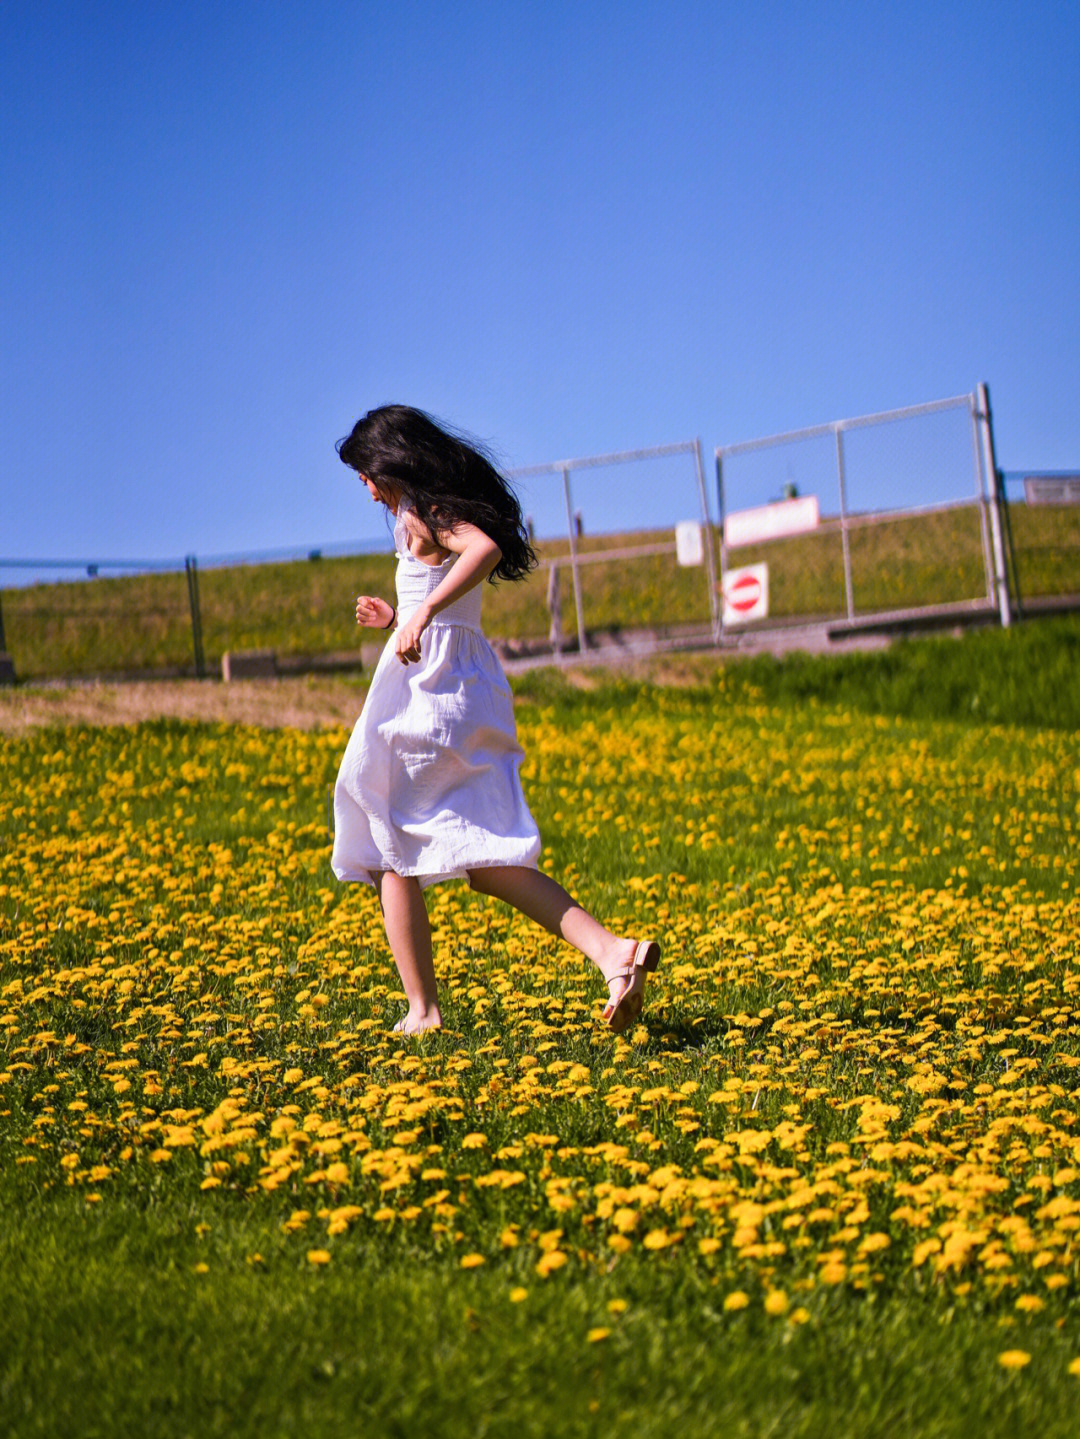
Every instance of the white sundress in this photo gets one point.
(429, 784)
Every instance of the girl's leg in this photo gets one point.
(544, 900)
(405, 916)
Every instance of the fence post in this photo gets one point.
(849, 589)
(191, 567)
(1001, 574)
(1010, 549)
(723, 542)
(571, 535)
(982, 500)
(710, 559)
(554, 604)
(7, 664)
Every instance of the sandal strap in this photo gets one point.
(626, 973)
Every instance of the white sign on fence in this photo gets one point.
(1052, 489)
(689, 543)
(746, 594)
(769, 522)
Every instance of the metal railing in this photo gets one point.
(565, 468)
(986, 493)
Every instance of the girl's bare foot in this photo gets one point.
(417, 1023)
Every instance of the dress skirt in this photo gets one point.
(430, 785)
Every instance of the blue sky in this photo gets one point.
(229, 229)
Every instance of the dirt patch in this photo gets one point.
(315, 701)
(300, 702)
(303, 702)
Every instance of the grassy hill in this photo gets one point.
(305, 607)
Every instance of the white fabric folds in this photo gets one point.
(429, 784)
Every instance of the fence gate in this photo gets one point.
(890, 517)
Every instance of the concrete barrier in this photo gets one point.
(248, 665)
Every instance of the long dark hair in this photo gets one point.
(446, 478)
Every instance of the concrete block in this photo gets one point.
(248, 665)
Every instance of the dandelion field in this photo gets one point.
(830, 1184)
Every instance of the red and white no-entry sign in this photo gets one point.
(746, 594)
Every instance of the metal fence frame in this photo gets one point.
(988, 495)
(189, 566)
(588, 462)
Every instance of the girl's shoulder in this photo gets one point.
(413, 537)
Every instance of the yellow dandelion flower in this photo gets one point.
(1030, 1303)
(618, 1306)
(472, 1261)
(799, 1316)
(548, 1263)
(595, 1336)
(708, 1246)
(474, 1141)
(620, 1243)
(1014, 1359)
(518, 1295)
(736, 1300)
(318, 1256)
(776, 1302)
(1074, 1368)
(873, 1242)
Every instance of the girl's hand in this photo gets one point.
(408, 635)
(373, 613)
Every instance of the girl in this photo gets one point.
(429, 787)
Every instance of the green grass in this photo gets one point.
(306, 607)
(1029, 675)
(107, 1331)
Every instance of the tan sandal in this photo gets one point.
(621, 1013)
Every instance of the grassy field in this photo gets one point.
(306, 607)
(829, 1186)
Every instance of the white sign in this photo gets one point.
(746, 594)
(689, 543)
(1052, 489)
(768, 522)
